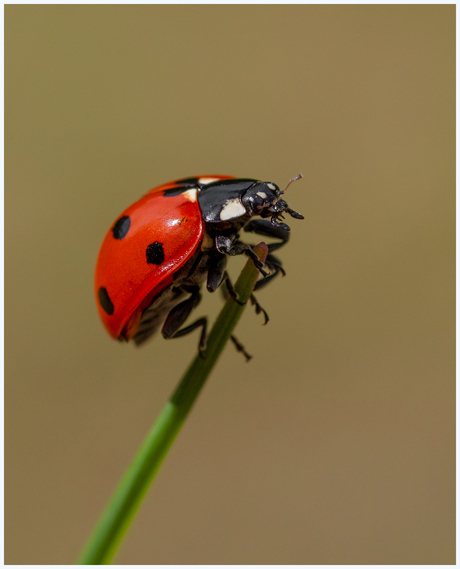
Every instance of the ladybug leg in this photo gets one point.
(203, 322)
(179, 314)
(216, 272)
(217, 275)
(226, 246)
(258, 308)
(240, 348)
(230, 291)
(275, 266)
(241, 247)
(264, 227)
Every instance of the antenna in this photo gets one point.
(299, 175)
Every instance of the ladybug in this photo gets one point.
(158, 253)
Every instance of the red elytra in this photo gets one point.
(125, 283)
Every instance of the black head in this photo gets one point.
(261, 198)
(235, 201)
(264, 199)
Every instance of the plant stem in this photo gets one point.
(127, 498)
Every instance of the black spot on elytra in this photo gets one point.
(105, 301)
(155, 253)
(121, 227)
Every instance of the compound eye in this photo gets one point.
(260, 201)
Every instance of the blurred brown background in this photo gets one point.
(335, 444)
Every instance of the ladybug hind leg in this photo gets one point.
(179, 314)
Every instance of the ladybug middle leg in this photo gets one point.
(266, 228)
(218, 275)
(229, 290)
(228, 246)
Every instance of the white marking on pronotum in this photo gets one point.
(191, 195)
(207, 180)
(232, 208)
(262, 195)
(271, 186)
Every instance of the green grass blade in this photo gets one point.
(118, 515)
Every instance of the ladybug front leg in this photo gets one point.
(265, 227)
